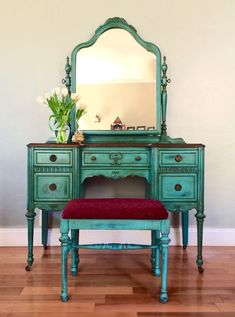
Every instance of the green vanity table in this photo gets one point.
(173, 169)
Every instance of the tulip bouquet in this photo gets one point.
(61, 105)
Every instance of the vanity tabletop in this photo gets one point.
(124, 144)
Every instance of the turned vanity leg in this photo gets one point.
(45, 215)
(155, 235)
(200, 219)
(75, 256)
(30, 220)
(184, 221)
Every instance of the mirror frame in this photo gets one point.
(120, 23)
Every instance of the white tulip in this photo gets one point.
(82, 106)
(55, 91)
(40, 100)
(64, 92)
(74, 96)
(47, 95)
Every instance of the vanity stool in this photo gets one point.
(115, 214)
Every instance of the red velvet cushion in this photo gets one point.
(114, 208)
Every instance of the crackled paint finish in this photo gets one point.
(173, 169)
(174, 175)
(160, 230)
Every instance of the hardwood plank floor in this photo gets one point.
(118, 284)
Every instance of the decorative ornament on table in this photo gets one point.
(118, 125)
(78, 137)
(61, 105)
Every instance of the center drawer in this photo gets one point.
(115, 158)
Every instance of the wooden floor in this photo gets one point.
(117, 284)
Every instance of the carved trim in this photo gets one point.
(52, 169)
(115, 20)
(116, 175)
(115, 246)
(178, 169)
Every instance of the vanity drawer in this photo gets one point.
(178, 157)
(52, 157)
(175, 187)
(51, 187)
(115, 158)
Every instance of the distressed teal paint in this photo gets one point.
(160, 227)
(64, 239)
(160, 167)
(174, 170)
(30, 219)
(120, 23)
(114, 246)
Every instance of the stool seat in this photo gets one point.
(115, 208)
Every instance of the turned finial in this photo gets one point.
(164, 82)
(67, 80)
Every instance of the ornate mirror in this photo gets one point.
(118, 75)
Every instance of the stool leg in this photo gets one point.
(75, 256)
(155, 253)
(164, 245)
(64, 229)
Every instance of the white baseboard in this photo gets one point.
(211, 236)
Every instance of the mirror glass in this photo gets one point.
(116, 77)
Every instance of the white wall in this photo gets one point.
(196, 35)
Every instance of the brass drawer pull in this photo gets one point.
(53, 158)
(178, 158)
(178, 187)
(93, 158)
(138, 158)
(52, 186)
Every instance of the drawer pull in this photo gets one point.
(116, 157)
(52, 187)
(178, 187)
(53, 158)
(93, 158)
(138, 158)
(178, 158)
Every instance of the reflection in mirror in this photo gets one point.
(116, 77)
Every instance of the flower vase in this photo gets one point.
(62, 134)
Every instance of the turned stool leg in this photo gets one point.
(164, 248)
(64, 229)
